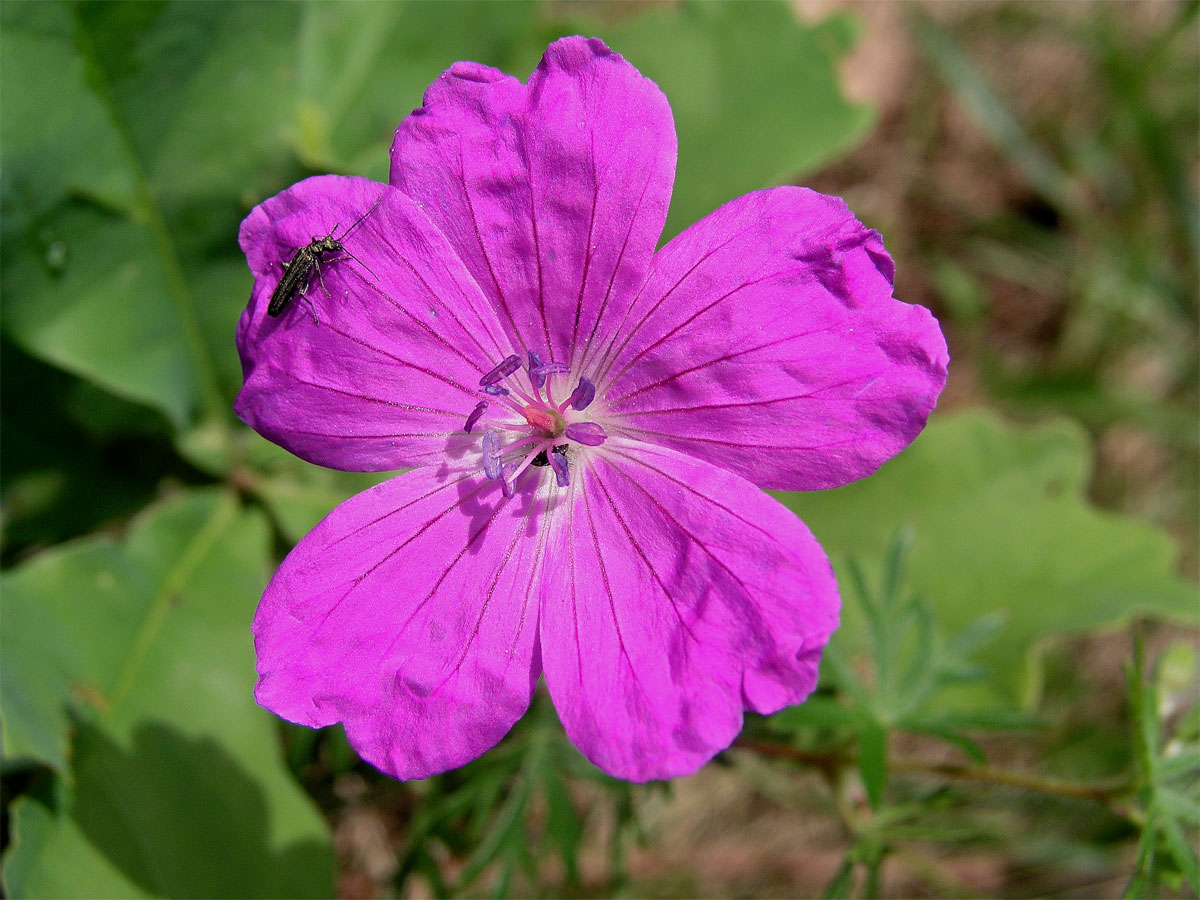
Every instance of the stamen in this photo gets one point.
(590, 433)
(558, 462)
(544, 421)
(509, 365)
(551, 368)
(512, 473)
(535, 363)
(476, 413)
(530, 439)
(491, 455)
(583, 395)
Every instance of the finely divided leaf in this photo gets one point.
(1001, 527)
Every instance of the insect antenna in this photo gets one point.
(359, 221)
(350, 255)
(356, 223)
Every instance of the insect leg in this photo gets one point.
(312, 310)
(317, 263)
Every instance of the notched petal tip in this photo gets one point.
(460, 80)
(837, 379)
(879, 255)
(576, 52)
(476, 72)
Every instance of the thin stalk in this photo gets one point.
(1104, 793)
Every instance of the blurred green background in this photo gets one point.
(1010, 706)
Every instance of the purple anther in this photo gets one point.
(495, 390)
(491, 455)
(535, 363)
(476, 413)
(583, 395)
(506, 368)
(590, 433)
(506, 487)
(551, 368)
(558, 462)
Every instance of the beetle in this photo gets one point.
(298, 271)
(543, 460)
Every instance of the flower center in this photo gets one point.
(548, 421)
(523, 424)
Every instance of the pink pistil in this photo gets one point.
(547, 421)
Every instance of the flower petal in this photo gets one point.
(375, 362)
(554, 194)
(767, 341)
(683, 596)
(409, 615)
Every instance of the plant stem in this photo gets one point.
(1103, 793)
(825, 762)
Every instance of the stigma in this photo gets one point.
(525, 428)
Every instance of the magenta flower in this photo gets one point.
(591, 424)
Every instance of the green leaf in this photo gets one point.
(819, 711)
(995, 719)
(44, 120)
(1181, 850)
(35, 818)
(564, 827)
(297, 494)
(919, 677)
(50, 641)
(511, 810)
(1185, 762)
(140, 651)
(202, 92)
(872, 761)
(102, 312)
(119, 263)
(988, 109)
(841, 883)
(362, 67)
(1144, 867)
(91, 277)
(1179, 807)
(1001, 526)
(954, 738)
(844, 677)
(754, 92)
(1167, 811)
